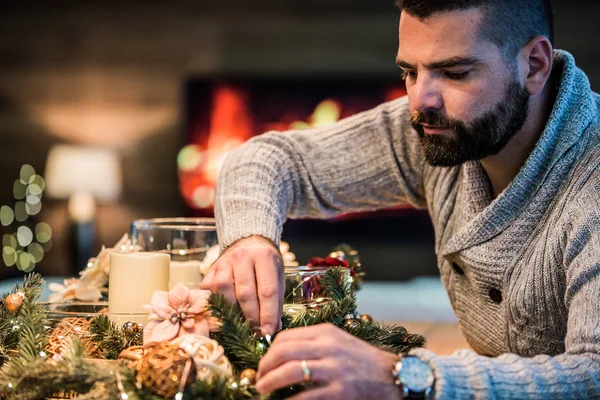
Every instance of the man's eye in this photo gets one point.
(456, 76)
(408, 74)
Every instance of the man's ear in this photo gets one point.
(537, 58)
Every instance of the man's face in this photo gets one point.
(465, 100)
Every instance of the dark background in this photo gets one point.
(111, 74)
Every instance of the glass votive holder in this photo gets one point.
(185, 240)
(56, 312)
(304, 290)
(122, 318)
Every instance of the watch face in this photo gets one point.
(415, 374)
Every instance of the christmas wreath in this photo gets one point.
(207, 351)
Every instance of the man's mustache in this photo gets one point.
(433, 118)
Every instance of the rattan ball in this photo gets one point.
(165, 369)
(131, 356)
(63, 333)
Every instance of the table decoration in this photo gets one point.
(220, 363)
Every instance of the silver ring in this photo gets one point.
(306, 371)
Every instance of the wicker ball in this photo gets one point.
(165, 369)
(208, 354)
(65, 331)
(131, 356)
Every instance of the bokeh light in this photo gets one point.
(34, 190)
(27, 174)
(9, 255)
(33, 209)
(19, 190)
(203, 196)
(43, 232)
(24, 236)
(39, 181)
(189, 158)
(25, 261)
(10, 240)
(37, 251)
(21, 211)
(7, 216)
(19, 248)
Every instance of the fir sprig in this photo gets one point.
(41, 378)
(353, 258)
(112, 338)
(30, 319)
(241, 346)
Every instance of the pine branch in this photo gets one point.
(42, 378)
(240, 345)
(353, 258)
(342, 301)
(336, 286)
(30, 319)
(111, 338)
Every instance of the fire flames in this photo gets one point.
(231, 124)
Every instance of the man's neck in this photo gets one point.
(503, 167)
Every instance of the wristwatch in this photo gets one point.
(414, 377)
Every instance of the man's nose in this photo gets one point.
(425, 94)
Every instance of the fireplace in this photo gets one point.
(221, 113)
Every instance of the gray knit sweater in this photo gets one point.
(522, 270)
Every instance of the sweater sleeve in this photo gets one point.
(575, 374)
(366, 162)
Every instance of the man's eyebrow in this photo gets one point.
(448, 63)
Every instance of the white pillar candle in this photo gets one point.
(185, 272)
(132, 280)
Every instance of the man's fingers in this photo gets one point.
(223, 281)
(207, 281)
(331, 391)
(269, 279)
(292, 373)
(307, 333)
(245, 290)
(278, 355)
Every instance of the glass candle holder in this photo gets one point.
(55, 312)
(185, 240)
(304, 289)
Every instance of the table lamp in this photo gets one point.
(83, 175)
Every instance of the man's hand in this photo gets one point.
(341, 365)
(250, 272)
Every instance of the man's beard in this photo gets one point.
(483, 137)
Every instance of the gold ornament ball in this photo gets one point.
(351, 324)
(14, 302)
(366, 318)
(248, 374)
(132, 327)
(165, 368)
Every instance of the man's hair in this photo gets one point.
(509, 24)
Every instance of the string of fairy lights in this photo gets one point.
(26, 245)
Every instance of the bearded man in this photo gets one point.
(498, 138)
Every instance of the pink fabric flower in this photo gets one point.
(178, 312)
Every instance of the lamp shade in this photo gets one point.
(78, 169)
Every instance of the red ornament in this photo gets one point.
(330, 262)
